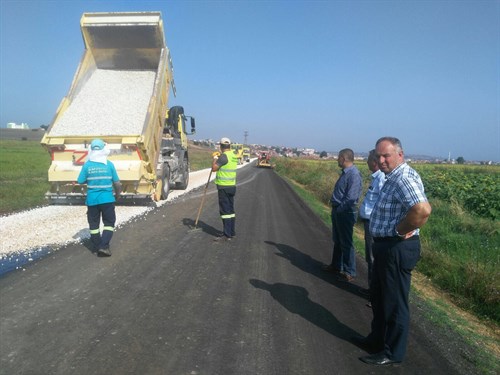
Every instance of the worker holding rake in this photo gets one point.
(225, 164)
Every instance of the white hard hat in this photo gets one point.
(225, 141)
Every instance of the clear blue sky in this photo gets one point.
(317, 74)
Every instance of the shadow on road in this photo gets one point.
(295, 299)
(208, 229)
(87, 243)
(312, 266)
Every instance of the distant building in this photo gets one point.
(13, 125)
(307, 151)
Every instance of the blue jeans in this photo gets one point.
(344, 256)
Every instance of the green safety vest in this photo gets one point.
(226, 175)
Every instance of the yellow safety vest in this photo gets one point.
(226, 175)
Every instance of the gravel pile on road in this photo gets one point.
(55, 226)
(112, 102)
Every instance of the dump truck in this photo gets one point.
(238, 151)
(263, 160)
(246, 154)
(120, 94)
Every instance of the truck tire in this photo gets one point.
(183, 183)
(165, 184)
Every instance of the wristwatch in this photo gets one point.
(399, 234)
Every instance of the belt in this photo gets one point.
(394, 239)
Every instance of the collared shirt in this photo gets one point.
(371, 196)
(402, 190)
(347, 190)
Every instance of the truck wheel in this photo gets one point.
(183, 184)
(165, 184)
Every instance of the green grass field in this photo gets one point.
(23, 175)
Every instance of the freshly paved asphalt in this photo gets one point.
(172, 301)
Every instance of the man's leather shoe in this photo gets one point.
(379, 359)
(345, 277)
(222, 238)
(329, 268)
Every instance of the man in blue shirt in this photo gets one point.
(101, 178)
(344, 199)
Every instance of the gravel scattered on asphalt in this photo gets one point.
(56, 226)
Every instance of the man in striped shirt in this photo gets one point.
(401, 209)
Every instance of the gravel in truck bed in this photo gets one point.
(112, 102)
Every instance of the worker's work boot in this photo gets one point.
(104, 252)
(96, 241)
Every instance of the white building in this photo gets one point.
(13, 125)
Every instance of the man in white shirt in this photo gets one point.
(371, 196)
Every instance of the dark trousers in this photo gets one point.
(226, 209)
(105, 211)
(368, 249)
(390, 287)
(344, 256)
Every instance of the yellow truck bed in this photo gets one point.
(120, 94)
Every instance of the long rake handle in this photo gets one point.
(203, 199)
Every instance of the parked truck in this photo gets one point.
(238, 151)
(120, 94)
(246, 154)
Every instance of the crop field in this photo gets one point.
(475, 188)
(460, 242)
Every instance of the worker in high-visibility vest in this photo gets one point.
(225, 164)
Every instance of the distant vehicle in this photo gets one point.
(238, 150)
(246, 154)
(264, 160)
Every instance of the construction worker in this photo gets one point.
(225, 164)
(101, 178)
